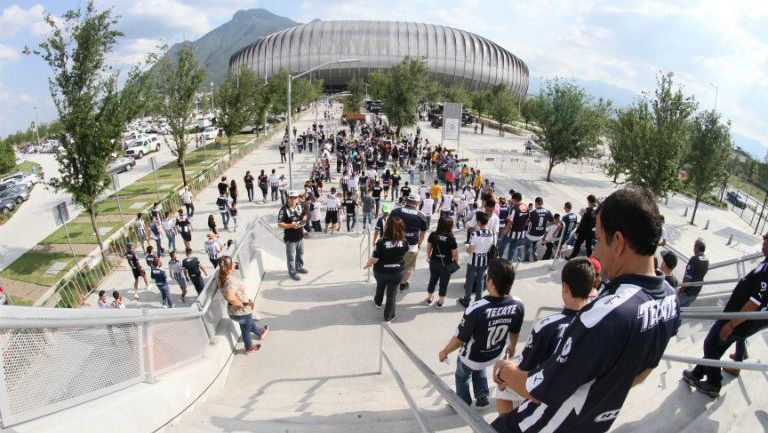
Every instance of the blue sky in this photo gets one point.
(616, 46)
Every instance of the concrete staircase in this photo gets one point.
(318, 369)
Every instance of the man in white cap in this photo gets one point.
(292, 220)
(415, 229)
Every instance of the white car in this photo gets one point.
(20, 179)
(210, 133)
(142, 146)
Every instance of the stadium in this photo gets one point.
(454, 57)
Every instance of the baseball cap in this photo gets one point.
(413, 197)
(386, 207)
(293, 193)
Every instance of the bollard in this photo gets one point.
(685, 214)
(706, 226)
(730, 239)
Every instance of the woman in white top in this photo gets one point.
(446, 207)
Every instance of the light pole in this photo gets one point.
(292, 77)
(715, 86)
(212, 97)
(37, 126)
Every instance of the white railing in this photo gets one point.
(56, 358)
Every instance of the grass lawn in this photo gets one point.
(753, 190)
(80, 233)
(28, 167)
(32, 266)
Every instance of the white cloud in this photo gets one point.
(134, 51)
(15, 19)
(8, 54)
(172, 14)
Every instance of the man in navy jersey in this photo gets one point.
(514, 231)
(483, 332)
(570, 219)
(538, 219)
(415, 229)
(750, 294)
(613, 343)
(578, 277)
(585, 229)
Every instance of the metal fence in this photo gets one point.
(753, 212)
(514, 161)
(58, 358)
(75, 287)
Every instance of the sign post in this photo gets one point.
(61, 216)
(116, 187)
(153, 166)
(452, 122)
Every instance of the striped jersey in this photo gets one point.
(482, 240)
(332, 203)
(518, 216)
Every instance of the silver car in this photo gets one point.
(121, 164)
(18, 195)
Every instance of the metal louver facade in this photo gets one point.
(454, 57)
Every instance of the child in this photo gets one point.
(578, 278)
(141, 230)
(117, 302)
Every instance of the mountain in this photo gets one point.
(246, 26)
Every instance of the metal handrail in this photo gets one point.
(472, 418)
(717, 363)
(755, 315)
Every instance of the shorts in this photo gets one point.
(137, 273)
(142, 235)
(332, 217)
(410, 260)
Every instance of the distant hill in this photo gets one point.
(246, 26)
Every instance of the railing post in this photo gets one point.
(148, 349)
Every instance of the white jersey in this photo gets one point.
(428, 203)
(447, 203)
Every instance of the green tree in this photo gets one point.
(302, 91)
(627, 133)
(457, 94)
(7, 157)
(177, 79)
(503, 108)
(356, 88)
(530, 110)
(710, 147)
(404, 88)
(571, 123)
(657, 160)
(238, 101)
(84, 92)
(481, 102)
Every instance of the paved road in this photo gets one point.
(34, 219)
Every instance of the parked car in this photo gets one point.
(736, 199)
(251, 129)
(143, 146)
(19, 194)
(7, 204)
(11, 186)
(121, 164)
(23, 178)
(210, 133)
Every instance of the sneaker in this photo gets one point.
(439, 305)
(295, 277)
(463, 302)
(390, 320)
(690, 379)
(379, 306)
(428, 301)
(136, 296)
(254, 348)
(482, 401)
(302, 271)
(708, 389)
(404, 287)
(264, 332)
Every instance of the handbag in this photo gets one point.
(451, 267)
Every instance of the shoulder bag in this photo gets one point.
(453, 266)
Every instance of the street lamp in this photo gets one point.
(288, 112)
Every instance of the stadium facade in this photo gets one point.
(453, 56)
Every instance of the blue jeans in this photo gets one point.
(529, 249)
(367, 219)
(165, 292)
(503, 242)
(248, 326)
(294, 252)
(351, 219)
(225, 219)
(475, 281)
(514, 249)
(479, 382)
(171, 240)
(274, 193)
